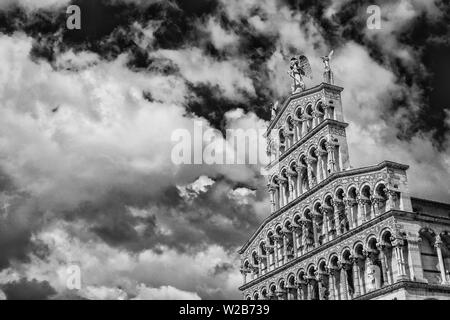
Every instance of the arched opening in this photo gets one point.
(353, 204)
(279, 244)
(308, 237)
(272, 292)
(264, 295)
(374, 275)
(284, 188)
(429, 257)
(349, 283)
(275, 189)
(320, 224)
(282, 140)
(336, 278)
(330, 110)
(324, 281)
(292, 288)
(361, 269)
(323, 167)
(332, 219)
(302, 285)
(380, 199)
(294, 175)
(299, 123)
(320, 112)
(308, 118)
(312, 161)
(290, 132)
(303, 174)
(388, 257)
(445, 249)
(281, 292)
(255, 263)
(264, 257)
(289, 240)
(342, 223)
(313, 285)
(256, 296)
(367, 203)
(271, 250)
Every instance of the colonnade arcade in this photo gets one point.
(318, 164)
(317, 224)
(343, 275)
(299, 123)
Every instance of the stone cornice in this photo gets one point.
(319, 186)
(403, 284)
(299, 95)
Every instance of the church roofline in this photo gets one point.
(317, 187)
(299, 95)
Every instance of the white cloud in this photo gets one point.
(111, 273)
(164, 293)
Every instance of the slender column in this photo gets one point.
(293, 185)
(272, 189)
(285, 251)
(361, 278)
(324, 225)
(337, 205)
(309, 289)
(275, 250)
(311, 182)
(349, 212)
(343, 283)
(294, 241)
(438, 245)
(361, 211)
(301, 290)
(331, 284)
(290, 189)
(382, 256)
(314, 227)
(414, 259)
(320, 285)
(355, 269)
(300, 174)
(397, 243)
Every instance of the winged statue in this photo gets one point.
(299, 68)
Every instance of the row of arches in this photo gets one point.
(435, 256)
(324, 220)
(364, 267)
(346, 275)
(312, 167)
(302, 121)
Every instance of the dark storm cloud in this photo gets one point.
(25, 289)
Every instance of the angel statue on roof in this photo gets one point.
(300, 68)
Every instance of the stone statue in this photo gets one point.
(274, 109)
(328, 74)
(373, 277)
(300, 68)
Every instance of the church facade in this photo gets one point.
(336, 232)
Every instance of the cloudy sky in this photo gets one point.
(86, 117)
